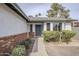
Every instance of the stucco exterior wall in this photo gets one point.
(10, 22)
(67, 26)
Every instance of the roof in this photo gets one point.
(18, 10)
(44, 19)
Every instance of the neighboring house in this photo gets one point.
(39, 24)
(76, 23)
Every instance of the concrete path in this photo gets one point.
(38, 48)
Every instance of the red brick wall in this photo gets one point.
(31, 34)
(9, 42)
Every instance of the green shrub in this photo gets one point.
(26, 43)
(19, 50)
(67, 35)
(51, 35)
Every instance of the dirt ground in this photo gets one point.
(62, 50)
(55, 49)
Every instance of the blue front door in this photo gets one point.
(38, 29)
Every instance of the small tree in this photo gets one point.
(57, 10)
(39, 14)
(36, 15)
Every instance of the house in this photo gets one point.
(76, 23)
(15, 26)
(39, 24)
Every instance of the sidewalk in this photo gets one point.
(38, 48)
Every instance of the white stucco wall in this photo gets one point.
(10, 22)
(67, 26)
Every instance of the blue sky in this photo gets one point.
(35, 8)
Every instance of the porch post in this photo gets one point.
(33, 27)
(51, 26)
(28, 28)
(45, 27)
(63, 26)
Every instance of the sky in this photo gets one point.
(35, 8)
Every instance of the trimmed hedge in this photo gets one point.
(51, 35)
(19, 50)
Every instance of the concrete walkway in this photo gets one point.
(39, 48)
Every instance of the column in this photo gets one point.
(63, 26)
(33, 30)
(51, 26)
(70, 26)
(33, 27)
(28, 28)
(45, 28)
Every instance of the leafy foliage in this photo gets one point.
(57, 10)
(19, 50)
(67, 35)
(26, 43)
(55, 36)
(51, 35)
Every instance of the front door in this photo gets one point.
(38, 29)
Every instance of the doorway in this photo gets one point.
(38, 30)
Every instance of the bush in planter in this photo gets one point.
(19, 50)
(26, 43)
(67, 35)
(51, 35)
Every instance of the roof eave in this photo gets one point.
(16, 9)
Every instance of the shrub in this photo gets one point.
(19, 50)
(67, 35)
(26, 43)
(51, 35)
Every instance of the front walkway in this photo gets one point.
(38, 48)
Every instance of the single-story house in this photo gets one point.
(39, 24)
(15, 26)
(76, 23)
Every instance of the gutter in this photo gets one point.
(18, 10)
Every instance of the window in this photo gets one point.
(48, 26)
(31, 27)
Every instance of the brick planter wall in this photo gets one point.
(9, 42)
